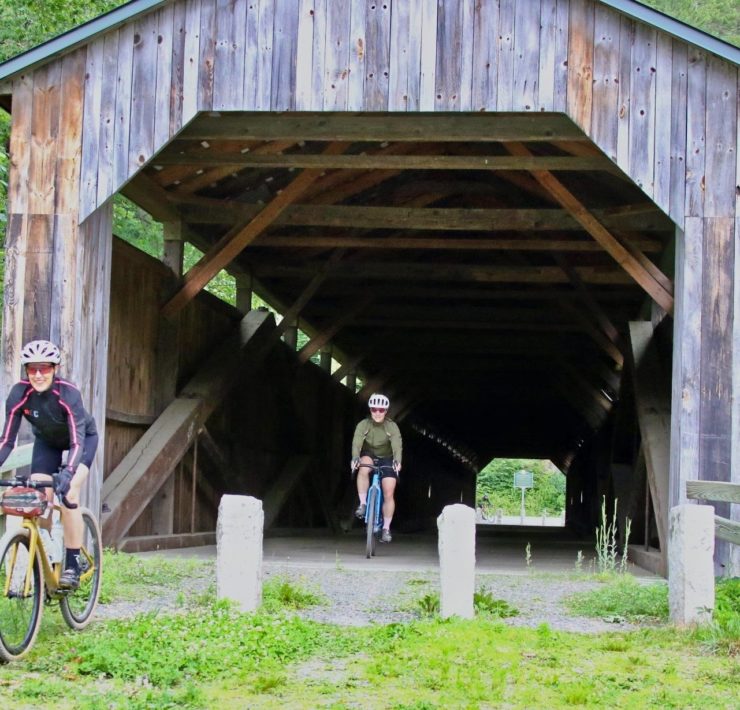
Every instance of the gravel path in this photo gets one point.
(354, 598)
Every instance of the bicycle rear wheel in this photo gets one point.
(77, 607)
(21, 599)
(372, 505)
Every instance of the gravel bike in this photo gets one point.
(28, 576)
(374, 509)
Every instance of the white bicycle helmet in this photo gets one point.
(40, 351)
(378, 400)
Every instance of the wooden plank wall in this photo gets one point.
(624, 83)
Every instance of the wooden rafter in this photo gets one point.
(480, 273)
(327, 126)
(279, 241)
(343, 318)
(238, 161)
(599, 231)
(199, 180)
(237, 238)
(205, 211)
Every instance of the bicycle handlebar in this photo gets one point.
(29, 483)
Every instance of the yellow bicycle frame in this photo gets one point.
(50, 574)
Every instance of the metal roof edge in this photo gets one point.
(676, 28)
(76, 36)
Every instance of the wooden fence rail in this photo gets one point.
(19, 456)
(716, 491)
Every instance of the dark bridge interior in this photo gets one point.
(447, 258)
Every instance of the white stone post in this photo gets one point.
(690, 564)
(239, 551)
(456, 527)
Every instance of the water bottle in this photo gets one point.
(57, 539)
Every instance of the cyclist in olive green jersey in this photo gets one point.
(377, 437)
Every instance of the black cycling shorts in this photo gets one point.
(48, 459)
(386, 464)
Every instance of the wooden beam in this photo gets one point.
(311, 241)
(232, 243)
(198, 181)
(150, 543)
(133, 483)
(718, 491)
(653, 404)
(328, 126)
(144, 420)
(274, 499)
(599, 231)
(340, 320)
(209, 211)
(229, 163)
(587, 298)
(420, 271)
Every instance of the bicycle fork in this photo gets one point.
(32, 551)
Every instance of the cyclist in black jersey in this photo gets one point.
(59, 423)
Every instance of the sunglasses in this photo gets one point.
(377, 410)
(43, 369)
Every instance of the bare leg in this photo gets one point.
(389, 502)
(363, 478)
(45, 520)
(72, 518)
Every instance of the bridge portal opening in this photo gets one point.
(524, 492)
(482, 270)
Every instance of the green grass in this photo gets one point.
(131, 578)
(622, 598)
(209, 655)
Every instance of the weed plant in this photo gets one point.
(280, 593)
(484, 604)
(607, 551)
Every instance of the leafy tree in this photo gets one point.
(495, 487)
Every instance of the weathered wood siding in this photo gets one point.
(664, 111)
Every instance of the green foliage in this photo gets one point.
(717, 17)
(27, 23)
(484, 603)
(280, 593)
(168, 650)
(623, 598)
(135, 226)
(722, 636)
(495, 487)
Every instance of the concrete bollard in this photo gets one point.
(456, 527)
(239, 551)
(690, 564)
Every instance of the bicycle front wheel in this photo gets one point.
(21, 595)
(77, 607)
(372, 504)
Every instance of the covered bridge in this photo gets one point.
(516, 217)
